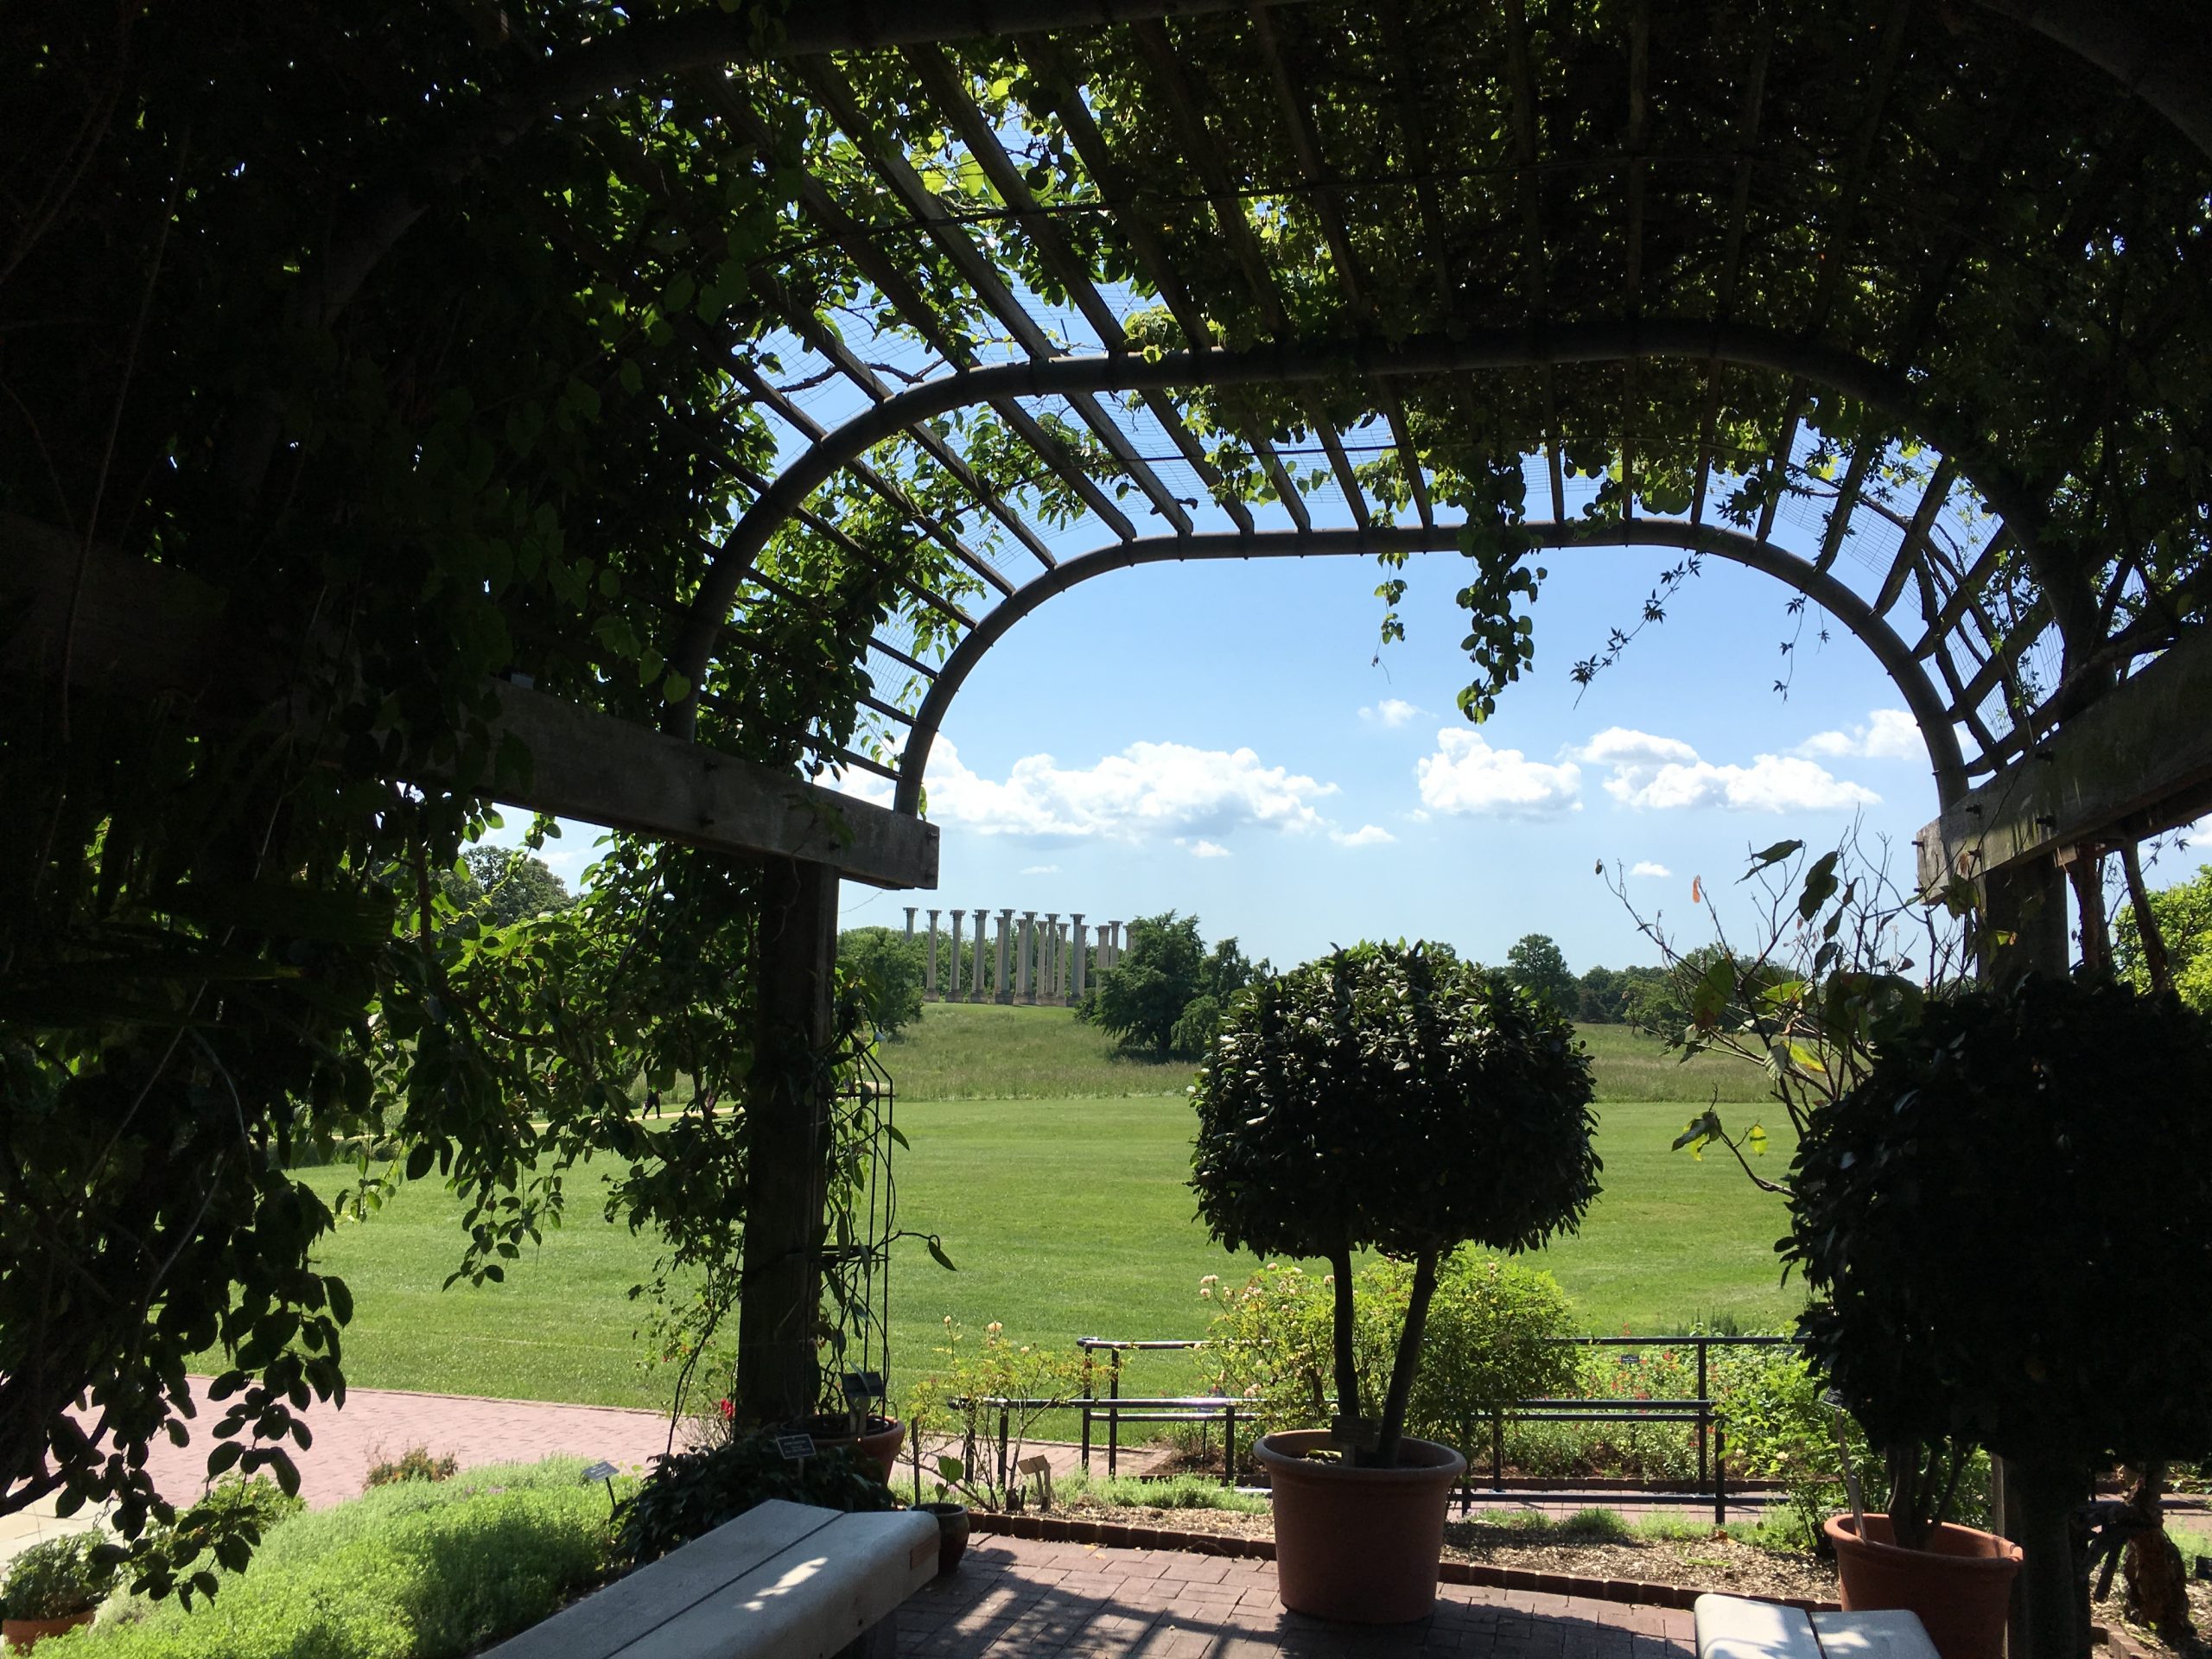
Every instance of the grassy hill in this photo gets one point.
(960, 1050)
(1066, 1213)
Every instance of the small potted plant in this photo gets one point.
(2010, 1221)
(55, 1586)
(1386, 1097)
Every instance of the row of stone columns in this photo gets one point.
(1045, 963)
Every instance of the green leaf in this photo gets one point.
(937, 1255)
(1772, 855)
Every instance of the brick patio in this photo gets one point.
(1019, 1597)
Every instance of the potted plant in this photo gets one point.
(2010, 1220)
(1386, 1097)
(55, 1586)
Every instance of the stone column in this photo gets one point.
(1060, 965)
(909, 921)
(1114, 945)
(1081, 943)
(1048, 957)
(1025, 985)
(975, 962)
(929, 965)
(1005, 943)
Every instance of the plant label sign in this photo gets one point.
(861, 1386)
(795, 1448)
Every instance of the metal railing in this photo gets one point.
(1695, 1412)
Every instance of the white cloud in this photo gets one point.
(1885, 735)
(1391, 711)
(1168, 789)
(1202, 848)
(1666, 774)
(1368, 835)
(1040, 869)
(1466, 775)
(1645, 867)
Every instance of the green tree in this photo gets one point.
(1539, 967)
(887, 967)
(2183, 914)
(1167, 994)
(501, 886)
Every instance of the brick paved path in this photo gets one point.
(384, 1422)
(1018, 1598)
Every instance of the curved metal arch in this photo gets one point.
(1694, 339)
(1929, 710)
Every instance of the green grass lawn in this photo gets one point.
(1066, 1217)
(984, 1051)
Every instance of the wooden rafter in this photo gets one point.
(1984, 168)
(1521, 77)
(942, 84)
(907, 300)
(1748, 115)
(1203, 152)
(1836, 244)
(728, 350)
(1932, 498)
(1328, 206)
(981, 274)
(1639, 64)
(812, 430)
(1057, 91)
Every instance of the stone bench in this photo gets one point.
(782, 1581)
(1730, 1627)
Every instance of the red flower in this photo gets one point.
(729, 1411)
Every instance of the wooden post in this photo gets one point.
(789, 1096)
(2023, 931)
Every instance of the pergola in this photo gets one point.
(1908, 307)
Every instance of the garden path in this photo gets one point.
(1019, 1597)
(379, 1423)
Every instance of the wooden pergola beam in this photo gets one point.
(98, 620)
(2137, 761)
(942, 82)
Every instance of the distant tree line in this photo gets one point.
(1165, 997)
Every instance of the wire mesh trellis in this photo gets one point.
(856, 1258)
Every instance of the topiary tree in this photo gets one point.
(2010, 1218)
(1388, 1099)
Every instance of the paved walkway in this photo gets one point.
(380, 1423)
(1015, 1597)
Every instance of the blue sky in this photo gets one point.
(1216, 738)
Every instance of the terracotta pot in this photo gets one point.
(880, 1445)
(952, 1525)
(21, 1634)
(1960, 1585)
(1360, 1545)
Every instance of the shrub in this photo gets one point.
(1386, 1098)
(411, 1571)
(60, 1578)
(689, 1494)
(416, 1463)
(1270, 1342)
(2061, 1128)
(959, 1399)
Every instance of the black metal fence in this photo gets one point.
(1697, 1412)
